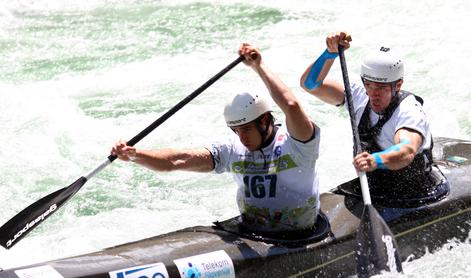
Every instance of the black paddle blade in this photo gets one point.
(377, 249)
(29, 218)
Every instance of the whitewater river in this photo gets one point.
(75, 76)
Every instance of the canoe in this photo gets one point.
(226, 250)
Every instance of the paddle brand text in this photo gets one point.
(31, 224)
(390, 251)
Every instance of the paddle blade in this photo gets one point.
(377, 249)
(29, 218)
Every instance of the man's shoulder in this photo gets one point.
(282, 135)
(410, 114)
(359, 96)
(411, 105)
(304, 149)
(225, 145)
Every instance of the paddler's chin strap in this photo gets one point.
(264, 129)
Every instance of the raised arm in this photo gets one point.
(196, 160)
(312, 80)
(297, 122)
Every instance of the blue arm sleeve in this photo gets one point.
(311, 78)
(395, 148)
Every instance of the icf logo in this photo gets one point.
(145, 271)
(278, 151)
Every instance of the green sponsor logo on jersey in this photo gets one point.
(282, 163)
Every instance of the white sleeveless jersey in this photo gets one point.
(409, 114)
(278, 186)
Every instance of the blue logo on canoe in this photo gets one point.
(192, 271)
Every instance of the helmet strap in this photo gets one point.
(264, 129)
(393, 89)
(394, 96)
(266, 140)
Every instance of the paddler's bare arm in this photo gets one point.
(196, 160)
(312, 80)
(297, 122)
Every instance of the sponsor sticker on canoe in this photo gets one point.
(44, 271)
(209, 265)
(157, 270)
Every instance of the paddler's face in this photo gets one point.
(380, 94)
(249, 136)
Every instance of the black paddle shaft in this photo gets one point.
(348, 94)
(179, 105)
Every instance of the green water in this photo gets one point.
(43, 45)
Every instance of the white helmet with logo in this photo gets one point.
(384, 66)
(244, 108)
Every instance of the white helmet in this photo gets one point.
(244, 108)
(383, 66)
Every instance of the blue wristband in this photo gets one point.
(311, 79)
(379, 161)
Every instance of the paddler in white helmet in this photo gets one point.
(274, 166)
(393, 128)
